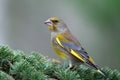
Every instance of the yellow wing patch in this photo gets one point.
(57, 39)
(91, 60)
(77, 55)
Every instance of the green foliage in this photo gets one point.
(4, 76)
(15, 65)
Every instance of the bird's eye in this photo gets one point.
(55, 21)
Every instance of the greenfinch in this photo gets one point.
(67, 46)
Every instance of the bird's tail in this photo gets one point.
(102, 72)
(98, 69)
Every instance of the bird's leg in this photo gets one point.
(70, 64)
(71, 67)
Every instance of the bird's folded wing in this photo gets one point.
(77, 51)
(73, 49)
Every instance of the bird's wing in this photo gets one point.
(76, 48)
(73, 47)
(74, 43)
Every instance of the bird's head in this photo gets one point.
(55, 24)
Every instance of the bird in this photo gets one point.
(67, 47)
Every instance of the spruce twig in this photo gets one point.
(18, 66)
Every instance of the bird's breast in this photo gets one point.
(56, 41)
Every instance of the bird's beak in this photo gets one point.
(48, 22)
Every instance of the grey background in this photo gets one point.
(96, 24)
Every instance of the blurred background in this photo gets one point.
(95, 23)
